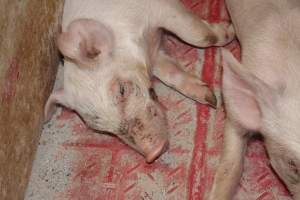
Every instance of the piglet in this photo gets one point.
(111, 49)
(261, 93)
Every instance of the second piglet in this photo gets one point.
(261, 94)
(111, 50)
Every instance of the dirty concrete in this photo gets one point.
(28, 63)
(74, 163)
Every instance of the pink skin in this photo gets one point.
(157, 151)
(110, 58)
(50, 105)
(261, 92)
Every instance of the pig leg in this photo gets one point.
(169, 72)
(195, 31)
(231, 163)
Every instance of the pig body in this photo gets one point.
(111, 50)
(261, 93)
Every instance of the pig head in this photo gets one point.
(111, 49)
(261, 93)
(109, 94)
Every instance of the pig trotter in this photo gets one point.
(195, 31)
(211, 99)
(170, 72)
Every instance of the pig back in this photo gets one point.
(268, 32)
(113, 13)
(258, 17)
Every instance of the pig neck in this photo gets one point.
(136, 56)
(139, 49)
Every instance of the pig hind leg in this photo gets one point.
(170, 72)
(231, 163)
(193, 30)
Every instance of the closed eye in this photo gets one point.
(122, 89)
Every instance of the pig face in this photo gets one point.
(110, 94)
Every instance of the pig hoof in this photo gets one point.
(211, 99)
(227, 34)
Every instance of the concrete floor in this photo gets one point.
(73, 163)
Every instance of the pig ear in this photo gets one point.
(85, 40)
(57, 97)
(244, 93)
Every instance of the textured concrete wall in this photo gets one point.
(28, 63)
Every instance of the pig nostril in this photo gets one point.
(153, 111)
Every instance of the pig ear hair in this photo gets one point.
(244, 93)
(57, 97)
(85, 41)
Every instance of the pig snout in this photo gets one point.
(150, 141)
(156, 151)
(149, 133)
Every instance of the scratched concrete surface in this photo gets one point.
(73, 163)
